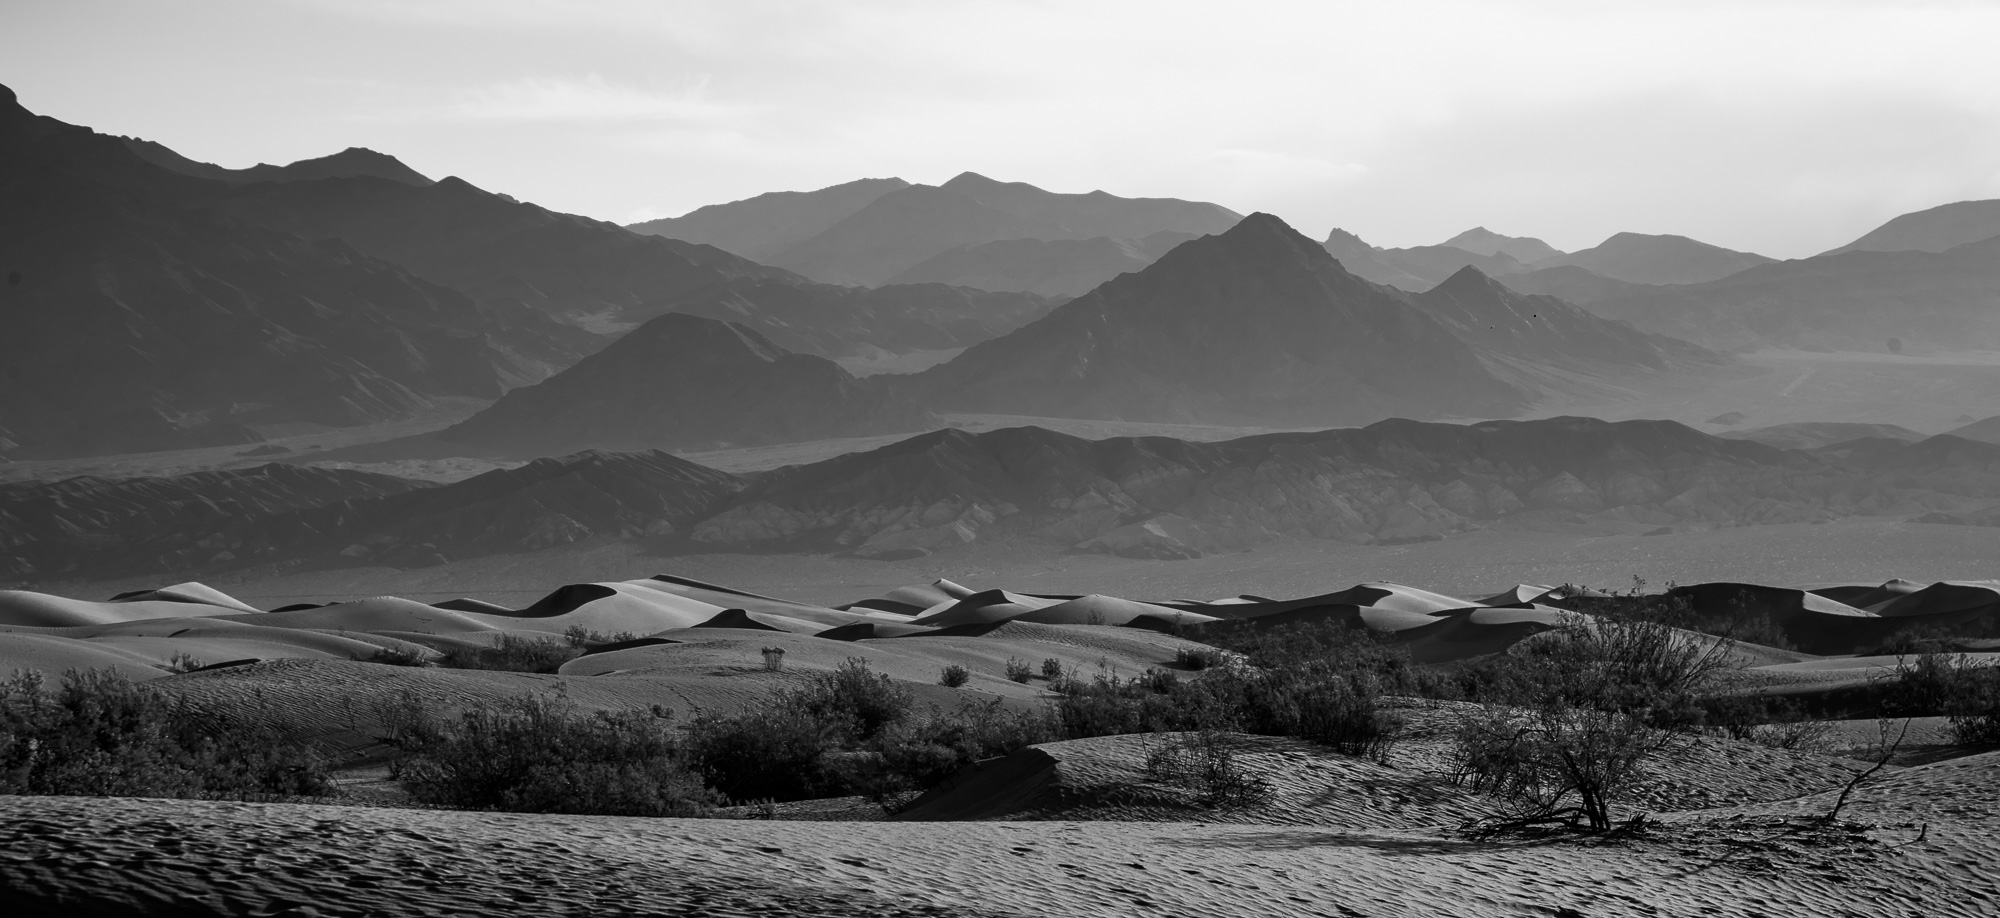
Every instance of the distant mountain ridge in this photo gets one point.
(759, 228)
(687, 382)
(1254, 324)
(353, 162)
(1937, 229)
(1151, 497)
(1062, 267)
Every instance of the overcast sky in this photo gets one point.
(1780, 127)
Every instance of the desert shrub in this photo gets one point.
(1052, 669)
(98, 734)
(1937, 683)
(1923, 639)
(1199, 658)
(1018, 671)
(1575, 713)
(1204, 761)
(580, 637)
(183, 662)
(400, 656)
(765, 755)
(915, 754)
(1316, 702)
(539, 754)
(853, 699)
(512, 653)
(1775, 722)
(954, 676)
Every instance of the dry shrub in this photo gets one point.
(98, 734)
(1204, 761)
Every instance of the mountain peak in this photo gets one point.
(1482, 241)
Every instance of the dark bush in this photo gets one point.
(539, 754)
(1052, 669)
(853, 699)
(513, 653)
(1204, 761)
(916, 753)
(1018, 671)
(581, 638)
(954, 676)
(766, 755)
(1198, 658)
(400, 655)
(98, 734)
(1951, 685)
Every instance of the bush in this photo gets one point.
(538, 754)
(853, 699)
(182, 662)
(1205, 762)
(1199, 658)
(98, 734)
(765, 755)
(400, 656)
(1052, 669)
(1574, 714)
(513, 653)
(580, 637)
(917, 753)
(1937, 683)
(1018, 671)
(954, 676)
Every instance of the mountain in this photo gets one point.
(1986, 431)
(759, 228)
(686, 382)
(1063, 267)
(1850, 301)
(1938, 229)
(1396, 480)
(1414, 269)
(1544, 331)
(1639, 258)
(833, 321)
(136, 315)
(1815, 434)
(1151, 497)
(349, 163)
(1256, 324)
(900, 229)
(1569, 282)
(1482, 241)
(87, 523)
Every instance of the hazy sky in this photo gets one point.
(1780, 127)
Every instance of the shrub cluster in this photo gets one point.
(98, 734)
(539, 754)
(515, 654)
(1204, 761)
(1938, 683)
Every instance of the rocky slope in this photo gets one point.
(1546, 331)
(1413, 269)
(687, 382)
(1482, 241)
(833, 321)
(1257, 324)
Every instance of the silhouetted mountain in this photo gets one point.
(1853, 300)
(48, 528)
(1482, 241)
(1063, 267)
(1938, 229)
(1986, 431)
(1255, 324)
(1815, 434)
(1395, 480)
(1152, 497)
(761, 227)
(834, 321)
(686, 382)
(900, 229)
(1640, 258)
(137, 316)
(1414, 269)
(1569, 282)
(1546, 331)
(352, 162)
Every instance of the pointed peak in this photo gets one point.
(1469, 279)
(969, 178)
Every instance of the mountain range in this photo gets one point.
(879, 231)
(1152, 497)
